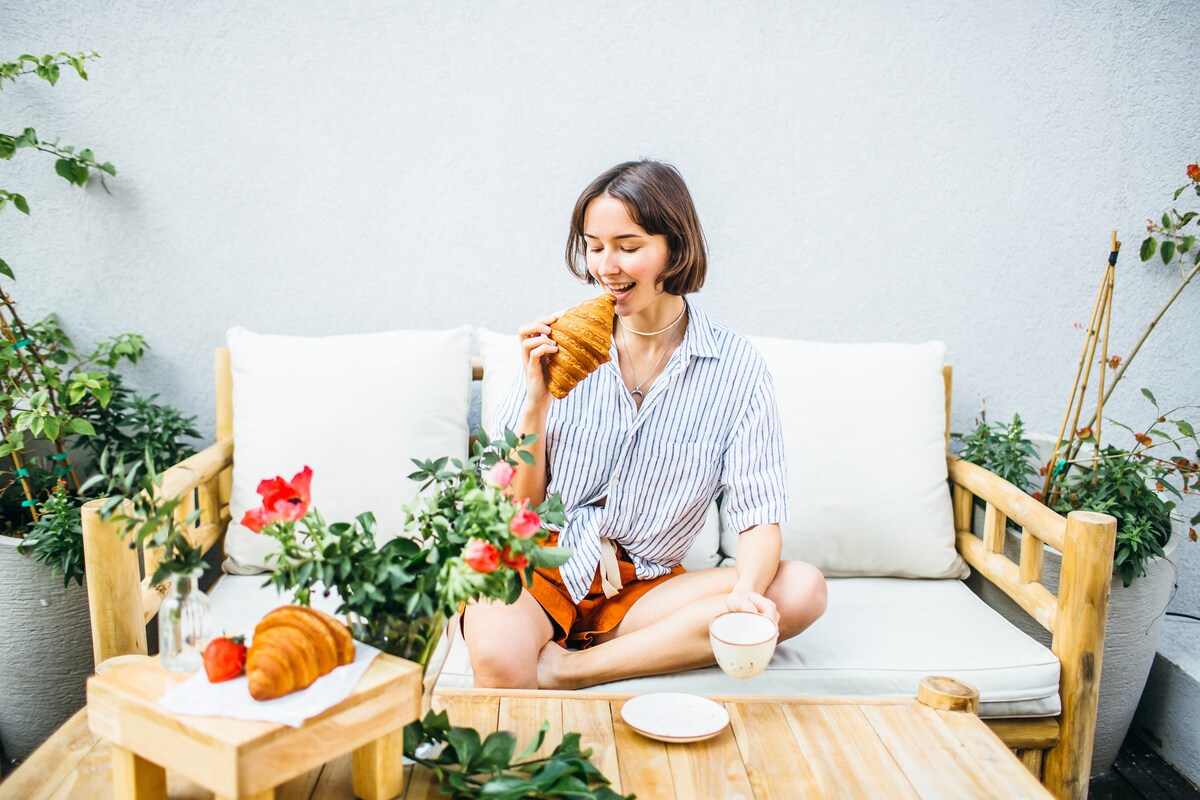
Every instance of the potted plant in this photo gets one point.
(1134, 485)
(55, 398)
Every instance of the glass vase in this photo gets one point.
(184, 624)
(415, 639)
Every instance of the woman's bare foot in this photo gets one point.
(551, 663)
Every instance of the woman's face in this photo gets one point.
(622, 256)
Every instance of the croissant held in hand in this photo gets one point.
(583, 335)
(292, 647)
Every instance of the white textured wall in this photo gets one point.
(864, 171)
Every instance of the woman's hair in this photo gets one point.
(657, 199)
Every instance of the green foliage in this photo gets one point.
(131, 425)
(134, 501)
(467, 766)
(1004, 450)
(56, 539)
(422, 574)
(74, 166)
(1131, 485)
(1172, 239)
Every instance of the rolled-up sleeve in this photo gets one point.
(754, 467)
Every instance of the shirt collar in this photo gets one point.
(699, 339)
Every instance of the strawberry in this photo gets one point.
(225, 658)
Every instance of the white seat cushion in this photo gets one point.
(864, 429)
(879, 637)
(356, 409)
(501, 356)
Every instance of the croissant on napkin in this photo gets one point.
(292, 647)
(583, 335)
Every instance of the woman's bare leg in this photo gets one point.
(504, 641)
(666, 630)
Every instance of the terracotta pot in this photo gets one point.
(47, 653)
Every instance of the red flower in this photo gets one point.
(500, 475)
(517, 561)
(282, 500)
(525, 523)
(481, 556)
(1194, 172)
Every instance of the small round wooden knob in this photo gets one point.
(948, 694)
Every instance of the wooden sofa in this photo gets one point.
(1057, 749)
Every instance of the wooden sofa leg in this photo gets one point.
(114, 586)
(1081, 618)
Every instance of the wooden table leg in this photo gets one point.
(378, 768)
(135, 778)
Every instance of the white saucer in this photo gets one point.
(675, 717)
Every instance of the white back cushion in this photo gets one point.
(864, 426)
(501, 355)
(355, 408)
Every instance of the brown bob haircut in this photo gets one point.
(657, 199)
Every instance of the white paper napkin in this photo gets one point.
(196, 696)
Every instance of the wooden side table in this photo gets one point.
(239, 759)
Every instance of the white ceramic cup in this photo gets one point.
(743, 642)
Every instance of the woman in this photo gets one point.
(684, 412)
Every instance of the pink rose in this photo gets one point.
(525, 523)
(481, 556)
(500, 475)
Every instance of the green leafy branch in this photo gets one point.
(135, 502)
(467, 766)
(47, 67)
(73, 166)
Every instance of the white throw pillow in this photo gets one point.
(864, 426)
(501, 356)
(356, 408)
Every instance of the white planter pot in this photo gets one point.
(47, 652)
(1135, 618)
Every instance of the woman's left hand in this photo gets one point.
(746, 600)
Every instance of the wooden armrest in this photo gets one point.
(1077, 617)
(121, 601)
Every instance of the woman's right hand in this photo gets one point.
(535, 345)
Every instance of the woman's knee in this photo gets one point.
(800, 596)
(503, 648)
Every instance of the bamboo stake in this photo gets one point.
(1074, 388)
(1112, 277)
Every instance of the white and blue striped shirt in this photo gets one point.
(708, 426)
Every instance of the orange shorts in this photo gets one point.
(576, 624)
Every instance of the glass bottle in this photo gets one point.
(184, 624)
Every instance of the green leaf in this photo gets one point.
(550, 556)
(1149, 396)
(535, 742)
(5, 269)
(1149, 246)
(1167, 252)
(81, 426)
(22, 204)
(65, 168)
(1166, 220)
(1185, 427)
(51, 427)
(465, 742)
(497, 751)
(1185, 244)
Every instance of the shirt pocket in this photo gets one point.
(579, 459)
(682, 477)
